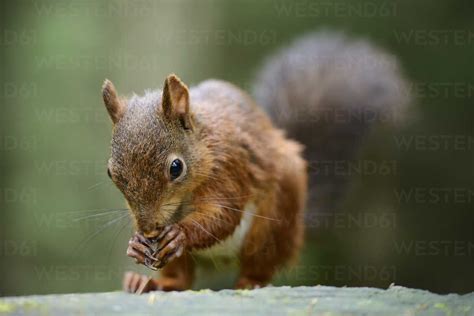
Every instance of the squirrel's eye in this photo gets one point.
(108, 173)
(176, 168)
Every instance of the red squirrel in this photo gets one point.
(206, 169)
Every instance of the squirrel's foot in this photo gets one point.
(137, 283)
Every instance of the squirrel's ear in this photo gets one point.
(175, 101)
(112, 102)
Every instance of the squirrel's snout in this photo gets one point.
(147, 229)
(151, 234)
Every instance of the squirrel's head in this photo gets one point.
(155, 159)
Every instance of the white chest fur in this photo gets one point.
(231, 246)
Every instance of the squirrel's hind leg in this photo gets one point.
(177, 275)
(276, 236)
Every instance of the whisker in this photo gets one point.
(210, 234)
(92, 210)
(213, 217)
(234, 249)
(102, 228)
(206, 200)
(192, 257)
(92, 187)
(195, 222)
(238, 197)
(237, 210)
(223, 206)
(115, 239)
(253, 214)
(234, 198)
(215, 263)
(99, 214)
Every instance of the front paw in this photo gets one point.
(171, 244)
(141, 249)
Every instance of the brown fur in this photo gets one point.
(234, 156)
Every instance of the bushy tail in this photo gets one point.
(326, 90)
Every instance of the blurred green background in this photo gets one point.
(55, 135)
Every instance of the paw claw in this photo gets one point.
(171, 245)
(137, 283)
(140, 249)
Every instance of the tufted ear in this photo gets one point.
(175, 101)
(114, 105)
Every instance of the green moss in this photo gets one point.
(6, 308)
(444, 308)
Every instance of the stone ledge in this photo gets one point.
(317, 300)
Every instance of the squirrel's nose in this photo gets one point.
(147, 229)
(151, 234)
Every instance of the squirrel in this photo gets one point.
(211, 168)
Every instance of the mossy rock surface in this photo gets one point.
(317, 300)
